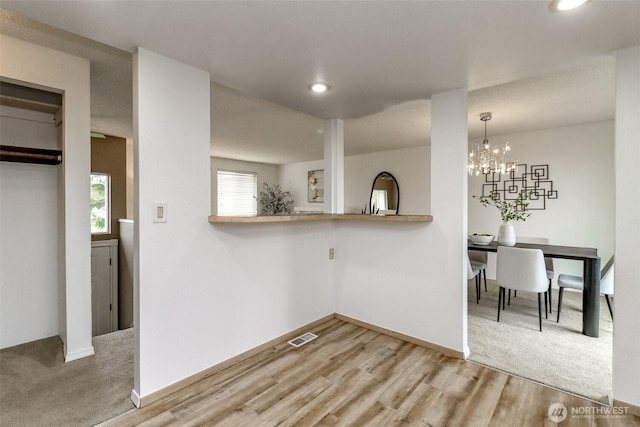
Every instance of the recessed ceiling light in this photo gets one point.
(562, 5)
(319, 87)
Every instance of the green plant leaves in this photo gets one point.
(274, 201)
(514, 210)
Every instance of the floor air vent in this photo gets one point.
(302, 339)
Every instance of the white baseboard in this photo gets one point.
(467, 352)
(135, 398)
(79, 354)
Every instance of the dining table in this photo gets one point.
(590, 273)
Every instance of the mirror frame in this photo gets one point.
(374, 185)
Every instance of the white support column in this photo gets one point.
(334, 166)
(163, 115)
(626, 352)
(449, 141)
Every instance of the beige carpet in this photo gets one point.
(559, 356)
(38, 389)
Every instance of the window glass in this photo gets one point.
(100, 203)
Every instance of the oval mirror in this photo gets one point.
(385, 195)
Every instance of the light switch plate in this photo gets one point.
(160, 212)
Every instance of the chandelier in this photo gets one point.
(485, 160)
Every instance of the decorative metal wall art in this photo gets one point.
(534, 179)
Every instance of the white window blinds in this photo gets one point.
(237, 193)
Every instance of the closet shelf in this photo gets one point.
(40, 156)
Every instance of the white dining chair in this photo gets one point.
(479, 260)
(521, 270)
(548, 262)
(473, 272)
(577, 283)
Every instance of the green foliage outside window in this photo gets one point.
(99, 203)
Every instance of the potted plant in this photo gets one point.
(512, 210)
(274, 201)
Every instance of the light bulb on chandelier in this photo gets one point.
(484, 160)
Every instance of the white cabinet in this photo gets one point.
(104, 286)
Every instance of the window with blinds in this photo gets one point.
(237, 193)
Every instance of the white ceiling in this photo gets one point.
(532, 68)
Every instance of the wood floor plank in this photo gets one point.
(368, 343)
(206, 387)
(481, 398)
(281, 410)
(377, 375)
(317, 409)
(444, 376)
(358, 391)
(299, 375)
(414, 409)
(324, 350)
(239, 417)
(529, 403)
(377, 360)
(387, 374)
(215, 409)
(354, 376)
(441, 410)
(293, 376)
(414, 369)
(165, 418)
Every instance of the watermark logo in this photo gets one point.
(557, 412)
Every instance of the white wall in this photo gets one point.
(581, 166)
(293, 178)
(63, 73)
(626, 351)
(129, 179)
(266, 173)
(408, 277)
(411, 167)
(207, 292)
(29, 230)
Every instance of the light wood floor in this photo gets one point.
(351, 376)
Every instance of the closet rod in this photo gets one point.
(40, 156)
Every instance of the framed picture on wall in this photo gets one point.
(315, 186)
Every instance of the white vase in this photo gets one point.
(506, 234)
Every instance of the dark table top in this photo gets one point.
(552, 251)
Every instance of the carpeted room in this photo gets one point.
(40, 389)
(560, 356)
